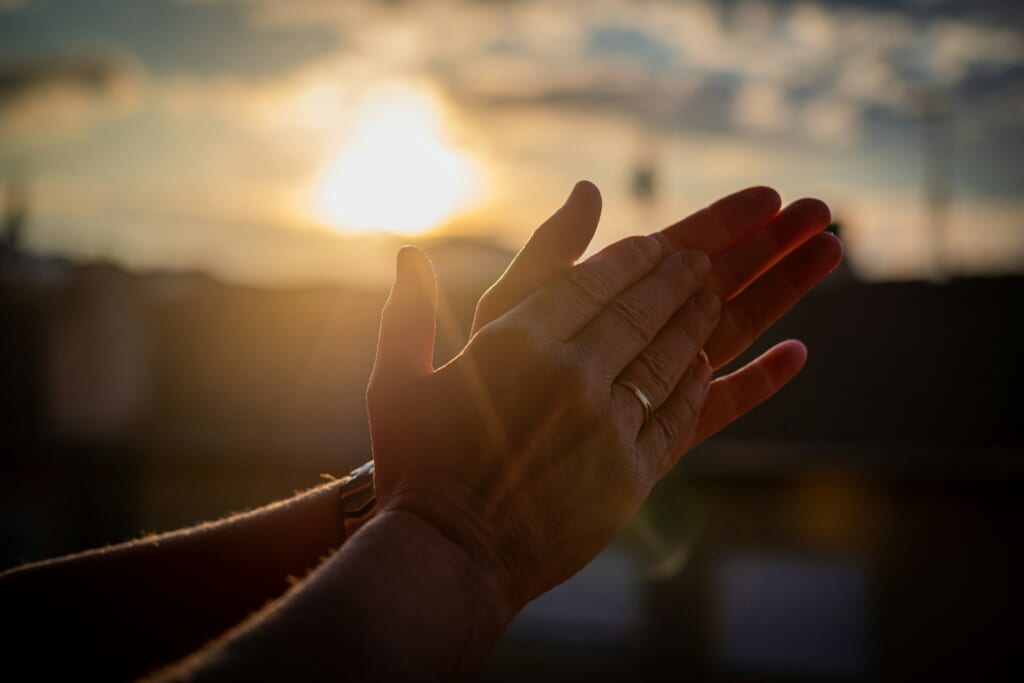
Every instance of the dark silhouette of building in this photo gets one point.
(859, 526)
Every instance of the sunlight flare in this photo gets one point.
(396, 171)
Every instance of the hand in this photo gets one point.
(525, 449)
(763, 262)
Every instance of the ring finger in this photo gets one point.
(656, 371)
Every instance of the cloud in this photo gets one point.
(831, 120)
(836, 61)
(957, 47)
(812, 97)
(762, 107)
(48, 98)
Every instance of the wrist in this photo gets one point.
(409, 595)
(485, 588)
(456, 512)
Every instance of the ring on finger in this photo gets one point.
(642, 397)
(703, 355)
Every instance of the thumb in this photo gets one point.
(405, 347)
(554, 247)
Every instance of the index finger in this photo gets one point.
(568, 303)
(719, 225)
(552, 249)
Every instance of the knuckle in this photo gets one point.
(589, 286)
(697, 264)
(660, 369)
(645, 249)
(635, 316)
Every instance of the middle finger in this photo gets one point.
(743, 262)
(631, 320)
(659, 367)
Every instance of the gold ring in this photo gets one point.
(703, 355)
(642, 397)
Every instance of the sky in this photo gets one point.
(279, 142)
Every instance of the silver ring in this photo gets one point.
(642, 397)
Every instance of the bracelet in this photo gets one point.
(358, 497)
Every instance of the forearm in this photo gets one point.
(129, 608)
(400, 602)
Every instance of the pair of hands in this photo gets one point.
(526, 450)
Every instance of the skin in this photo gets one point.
(542, 425)
(504, 448)
(503, 472)
(637, 311)
(763, 261)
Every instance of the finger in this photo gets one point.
(672, 427)
(742, 263)
(659, 367)
(552, 249)
(719, 225)
(762, 303)
(405, 347)
(731, 396)
(567, 304)
(631, 320)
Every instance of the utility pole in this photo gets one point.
(937, 156)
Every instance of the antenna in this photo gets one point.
(937, 156)
(12, 225)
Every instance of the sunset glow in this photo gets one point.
(396, 171)
(271, 141)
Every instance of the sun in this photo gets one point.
(396, 171)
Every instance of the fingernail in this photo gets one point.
(708, 303)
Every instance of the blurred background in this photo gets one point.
(201, 203)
